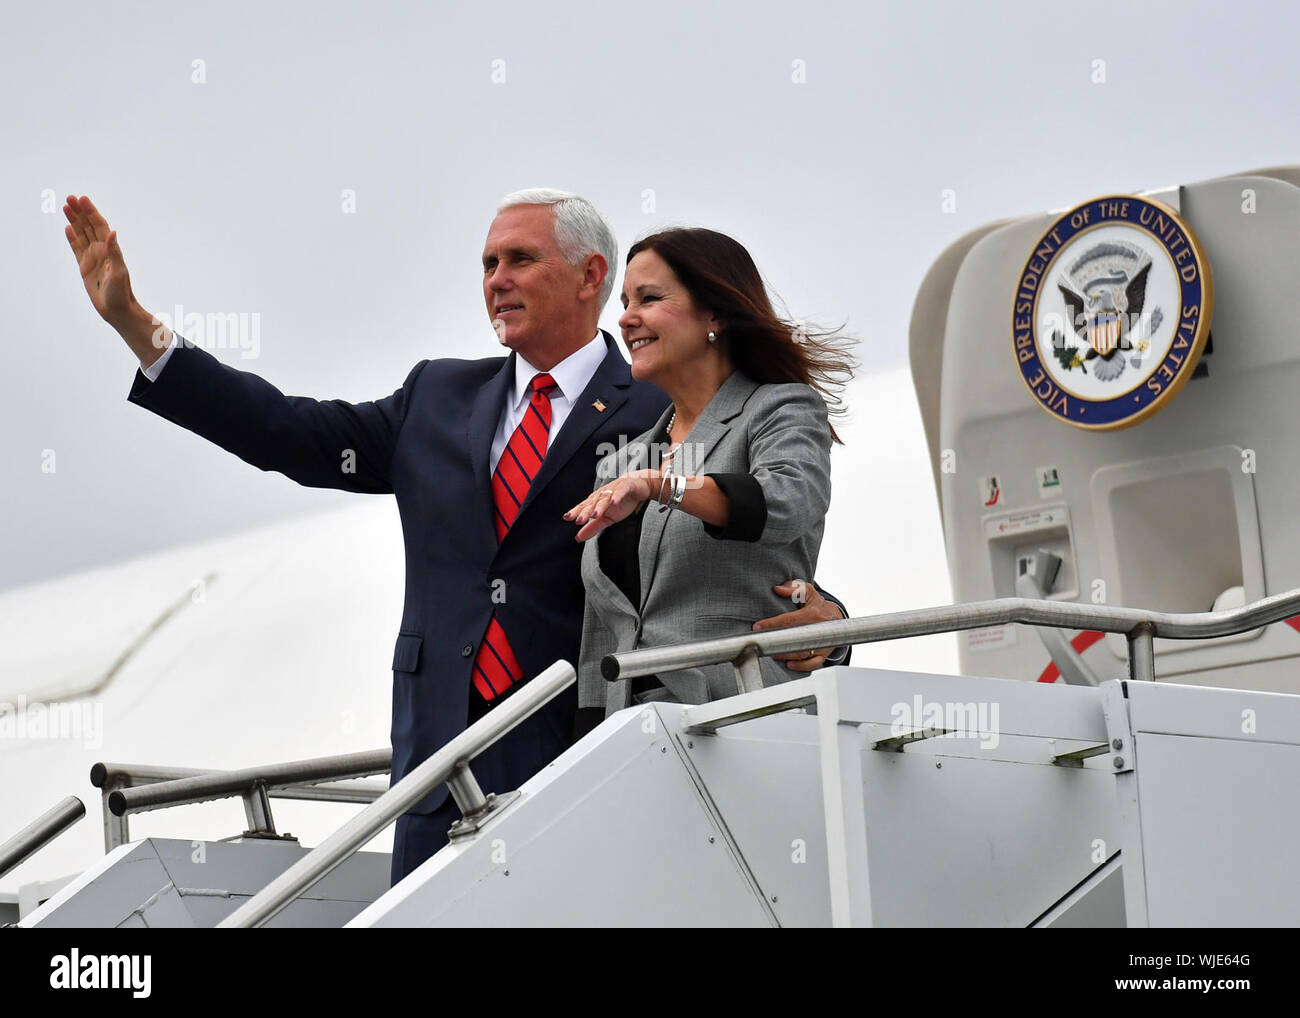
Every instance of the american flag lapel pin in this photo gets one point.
(599, 404)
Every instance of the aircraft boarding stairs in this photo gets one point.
(850, 797)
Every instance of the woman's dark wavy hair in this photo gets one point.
(722, 279)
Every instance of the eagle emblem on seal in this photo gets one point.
(1105, 293)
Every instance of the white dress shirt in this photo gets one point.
(571, 376)
(155, 369)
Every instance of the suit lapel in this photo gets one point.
(483, 420)
(714, 423)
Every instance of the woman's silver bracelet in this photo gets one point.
(663, 505)
(678, 493)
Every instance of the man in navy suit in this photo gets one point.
(493, 589)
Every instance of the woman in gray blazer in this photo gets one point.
(729, 487)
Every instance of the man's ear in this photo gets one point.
(594, 271)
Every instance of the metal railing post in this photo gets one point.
(257, 808)
(1141, 654)
(749, 676)
(465, 790)
(117, 829)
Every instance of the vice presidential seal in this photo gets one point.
(1111, 312)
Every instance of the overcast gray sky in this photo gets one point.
(822, 135)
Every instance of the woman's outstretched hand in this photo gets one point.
(613, 502)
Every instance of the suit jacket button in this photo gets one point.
(467, 650)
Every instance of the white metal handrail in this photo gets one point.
(40, 832)
(1137, 625)
(449, 764)
(113, 779)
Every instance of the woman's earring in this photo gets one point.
(713, 337)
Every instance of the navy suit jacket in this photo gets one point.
(429, 444)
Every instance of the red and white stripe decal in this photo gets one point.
(1082, 641)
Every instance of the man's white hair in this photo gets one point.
(580, 228)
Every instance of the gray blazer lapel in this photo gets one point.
(653, 521)
(619, 615)
(713, 424)
(602, 592)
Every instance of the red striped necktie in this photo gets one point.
(495, 667)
